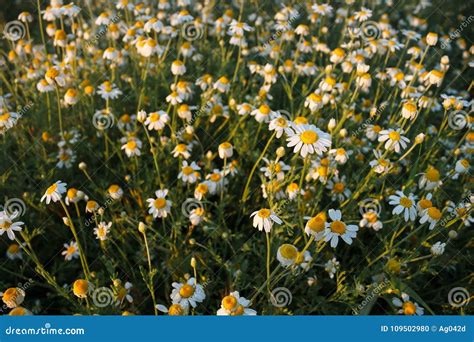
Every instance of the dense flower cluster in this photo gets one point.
(173, 157)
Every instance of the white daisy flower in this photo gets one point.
(431, 215)
(393, 140)
(7, 225)
(156, 120)
(187, 294)
(159, 206)
(338, 229)
(287, 254)
(264, 218)
(407, 307)
(235, 305)
(404, 204)
(71, 251)
(189, 173)
(308, 139)
(54, 192)
(102, 230)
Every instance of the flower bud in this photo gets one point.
(141, 227)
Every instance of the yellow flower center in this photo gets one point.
(229, 302)
(187, 170)
(238, 311)
(309, 137)
(425, 203)
(159, 203)
(395, 136)
(338, 227)
(202, 188)
(154, 117)
(338, 187)
(51, 189)
(10, 294)
(71, 250)
(288, 251)
(316, 224)
(13, 249)
(5, 117)
(371, 216)
(432, 175)
(434, 213)
(215, 177)
(131, 145)
(406, 202)
(175, 310)
(264, 109)
(181, 148)
(80, 287)
(409, 308)
(186, 291)
(264, 213)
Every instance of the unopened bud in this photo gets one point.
(141, 227)
(280, 152)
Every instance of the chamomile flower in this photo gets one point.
(338, 188)
(174, 309)
(370, 219)
(394, 140)
(13, 297)
(108, 90)
(189, 172)
(14, 251)
(338, 229)
(115, 192)
(71, 251)
(132, 147)
(235, 305)
(182, 150)
(430, 180)
(8, 226)
(196, 216)
(404, 204)
(156, 120)
(225, 150)
(102, 230)
(308, 139)
(316, 226)
(159, 206)
(380, 164)
(280, 125)
(263, 113)
(407, 307)
(187, 294)
(54, 192)
(264, 218)
(287, 254)
(275, 169)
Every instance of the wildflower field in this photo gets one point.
(179, 157)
